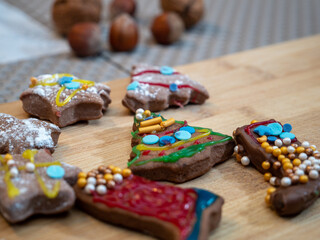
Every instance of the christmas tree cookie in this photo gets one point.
(166, 149)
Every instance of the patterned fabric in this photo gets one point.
(229, 26)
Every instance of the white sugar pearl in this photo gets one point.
(89, 188)
(11, 162)
(305, 144)
(30, 167)
(14, 172)
(303, 156)
(313, 174)
(307, 162)
(316, 167)
(311, 158)
(314, 146)
(236, 149)
(92, 180)
(316, 152)
(274, 147)
(278, 143)
(139, 116)
(302, 166)
(315, 161)
(290, 149)
(273, 181)
(101, 189)
(140, 111)
(117, 178)
(287, 141)
(299, 172)
(285, 182)
(245, 161)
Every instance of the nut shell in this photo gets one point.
(191, 11)
(117, 7)
(66, 13)
(85, 39)
(167, 28)
(124, 34)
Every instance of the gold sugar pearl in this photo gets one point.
(265, 165)
(7, 157)
(265, 144)
(147, 113)
(82, 182)
(284, 150)
(253, 121)
(82, 175)
(111, 167)
(280, 157)
(116, 170)
(303, 179)
(296, 162)
(285, 160)
(287, 166)
(271, 190)
(108, 177)
(267, 176)
(276, 152)
(126, 172)
(269, 149)
(300, 149)
(267, 199)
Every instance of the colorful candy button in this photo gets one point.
(65, 80)
(167, 140)
(262, 130)
(55, 171)
(72, 85)
(272, 138)
(148, 118)
(165, 70)
(189, 129)
(287, 127)
(133, 86)
(276, 128)
(150, 139)
(182, 135)
(287, 135)
(173, 87)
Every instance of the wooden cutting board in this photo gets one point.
(280, 81)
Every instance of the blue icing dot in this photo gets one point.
(287, 135)
(287, 127)
(148, 118)
(72, 85)
(189, 129)
(165, 70)
(182, 135)
(65, 80)
(167, 140)
(173, 87)
(276, 128)
(133, 85)
(262, 130)
(150, 139)
(55, 171)
(272, 138)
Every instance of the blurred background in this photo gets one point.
(31, 45)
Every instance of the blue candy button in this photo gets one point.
(173, 87)
(150, 139)
(65, 80)
(148, 118)
(133, 85)
(72, 85)
(287, 127)
(276, 128)
(167, 140)
(272, 138)
(287, 135)
(55, 171)
(182, 135)
(262, 130)
(165, 70)
(189, 129)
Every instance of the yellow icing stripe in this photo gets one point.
(45, 81)
(205, 132)
(49, 193)
(11, 189)
(60, 104)
(46, 164)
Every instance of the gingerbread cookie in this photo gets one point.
(34, 183)
(290, 166)
(157, 88)
(64, 99)
(167, 212)
(18, 135)
(166, 149)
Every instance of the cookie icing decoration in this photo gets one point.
(24, 182)
(291, 167)
(175, 148)
(157, 88)
(143, 198)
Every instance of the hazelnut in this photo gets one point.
(85, 39)
(191, 12)
(66, 13)
(118, 7)
(167, 28)
(123, 35)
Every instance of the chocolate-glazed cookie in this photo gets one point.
(64, 99)
(290, 166)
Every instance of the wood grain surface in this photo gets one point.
(280, 81)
